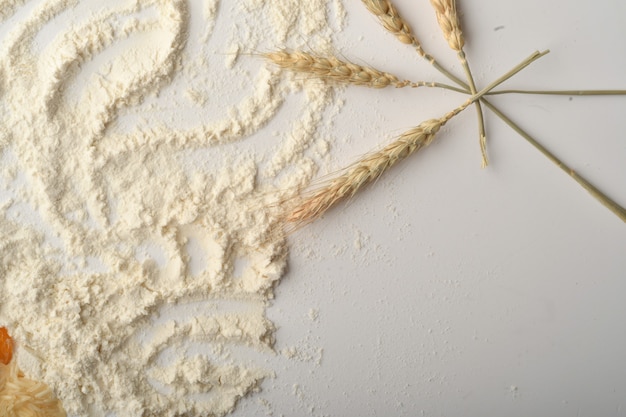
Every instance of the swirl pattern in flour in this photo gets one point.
(135, 263)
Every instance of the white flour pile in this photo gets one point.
(137, 153)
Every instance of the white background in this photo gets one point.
(450, 290)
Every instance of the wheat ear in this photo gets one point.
(391, 20)
(363, 172)
(448, 20)
(313, 205)
(332, 69)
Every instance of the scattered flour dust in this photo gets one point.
(137, 150)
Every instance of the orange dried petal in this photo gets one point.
(6, 346)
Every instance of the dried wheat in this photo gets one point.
(391, 20)
(448, 20)
(363, 172)
(332, 69)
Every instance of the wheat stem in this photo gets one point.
(563, 92)
(432, 84)
(594, 191)
(475, 97)
(448, 19)
(526, 62)
(479, 111)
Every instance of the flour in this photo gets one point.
(139, 246)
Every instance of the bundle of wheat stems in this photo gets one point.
(316, 200)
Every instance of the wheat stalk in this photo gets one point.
(563, 92)
(333, 69)
(448, 20)
(605, 200)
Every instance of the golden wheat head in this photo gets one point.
(448, 20)
(391, 20)
(313, 205)
(333, 69)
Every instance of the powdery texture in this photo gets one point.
(133, 170)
